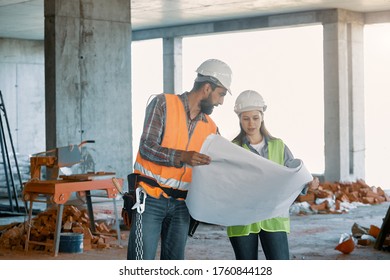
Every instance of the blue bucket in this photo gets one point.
(71, 242)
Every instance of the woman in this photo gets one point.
(253, 136)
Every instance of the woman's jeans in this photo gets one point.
(164, 218)
(275, 246)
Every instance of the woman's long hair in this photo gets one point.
(263, 131)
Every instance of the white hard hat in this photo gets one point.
(249, 100)
(216, 71)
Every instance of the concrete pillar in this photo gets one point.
(172, 64)
(344, 96)
(88, 80)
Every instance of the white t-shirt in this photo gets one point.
(259, 146)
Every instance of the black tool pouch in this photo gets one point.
(129, 199)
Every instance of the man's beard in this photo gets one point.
(206, 107)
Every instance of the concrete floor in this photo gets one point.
(312, 237)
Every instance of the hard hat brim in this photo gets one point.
(212, 80)
(250, 108)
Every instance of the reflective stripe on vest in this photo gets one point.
(175, 137)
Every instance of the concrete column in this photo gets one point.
(344, 96)
(357, 111)
(88, 80)
(172, 64)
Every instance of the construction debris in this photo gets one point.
(337, 198)
(369, 235)
(346, 244)
(360, 235)
(13, 237)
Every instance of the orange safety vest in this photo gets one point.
(175, 137)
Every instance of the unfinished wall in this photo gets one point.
(22, 85)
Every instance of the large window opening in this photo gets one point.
(147, 80)
(377, 103)
(286, 67)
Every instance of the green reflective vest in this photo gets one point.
(276, 154)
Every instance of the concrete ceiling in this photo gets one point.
(24, 19)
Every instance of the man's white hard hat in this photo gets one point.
(215, 71)
(249, 100)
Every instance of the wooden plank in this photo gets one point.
(86, 176)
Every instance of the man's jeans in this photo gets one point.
(275, 246)
(163, 218)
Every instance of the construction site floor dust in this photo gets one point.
(312, 237)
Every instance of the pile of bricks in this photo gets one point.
(329, 197)
(43, 229)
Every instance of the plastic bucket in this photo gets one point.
(71, 242)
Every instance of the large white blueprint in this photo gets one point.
(239, 187)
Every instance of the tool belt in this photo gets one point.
(129, 198)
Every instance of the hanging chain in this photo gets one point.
(140, 206)
(138, 238)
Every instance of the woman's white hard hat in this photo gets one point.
(215, 71)
(249, 100)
